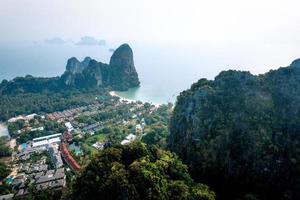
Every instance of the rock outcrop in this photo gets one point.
(75, 66)
(120, 74)
(123, 73)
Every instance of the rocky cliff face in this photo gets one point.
(123, 69)
(240, 133)
(74, 66)
(120, 74)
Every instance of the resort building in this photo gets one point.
(46, 140)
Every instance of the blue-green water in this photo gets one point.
(148, 93)
(75, 148)
(164, 69)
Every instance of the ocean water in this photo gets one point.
(164, 69)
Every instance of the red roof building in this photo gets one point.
(68, 158)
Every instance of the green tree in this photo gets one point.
(4, 171)
(136, 171)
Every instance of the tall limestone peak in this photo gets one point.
(73, 65)
(86, 62)
(123, 72)
(120, 74)
(122, 56)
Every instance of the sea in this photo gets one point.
(165, 69)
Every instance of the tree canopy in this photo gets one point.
(136, 171)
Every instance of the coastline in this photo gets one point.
(113, 93)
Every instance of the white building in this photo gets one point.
(69, 126)
(38, 129)
(129, 138)
(98, 145)
(46, 140)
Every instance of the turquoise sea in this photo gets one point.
(164, 69)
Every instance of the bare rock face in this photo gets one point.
(73, 66)
(86, 62)
(120, 74)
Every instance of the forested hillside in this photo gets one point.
(240, 133)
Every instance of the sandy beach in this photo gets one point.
(113, 93)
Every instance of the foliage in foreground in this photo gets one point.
(137, 172)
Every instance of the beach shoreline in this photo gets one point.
(114, 94)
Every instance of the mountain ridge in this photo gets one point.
(239, 133)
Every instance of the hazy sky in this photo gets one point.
(180, 21)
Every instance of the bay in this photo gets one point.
(164, 69)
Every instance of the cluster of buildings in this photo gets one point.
(68, 117)
(92, 128)
(71, 113)
(44, 176)
(38, 145)
(55, 148)
(45, 179)
(38, 172)
(29, 168)
(59, 116)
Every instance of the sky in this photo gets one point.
(235, 22)
(254, 35)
